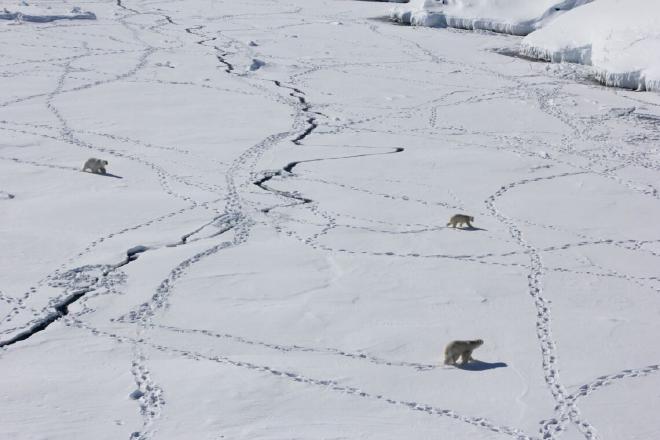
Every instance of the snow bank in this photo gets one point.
(517, 17)
(620, 38)
(24, 11)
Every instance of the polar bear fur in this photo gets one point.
(462, 349)
(95, 165)
(461, 219)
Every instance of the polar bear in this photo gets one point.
(461, 219)
(456, 349)
(95, 165)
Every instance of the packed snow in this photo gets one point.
(621, 39)
(267, 255)
(517, 17)
(42, 12)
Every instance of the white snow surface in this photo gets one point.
(620, 38)
(517, 17)
(42, 12)
(267, 257)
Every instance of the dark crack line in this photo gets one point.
(229, 67)
(306, 108)
(61, 309)
(221, 54)
(119, 3)
(312, 125)
(288, 168)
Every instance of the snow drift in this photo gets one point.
(517, 17)
(621, 39)
(24, 11)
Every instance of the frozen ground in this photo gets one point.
(268, 258)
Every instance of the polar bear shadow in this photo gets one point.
(477, 365)
(473, 228)
(108, 175)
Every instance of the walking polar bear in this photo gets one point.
(461, 219)
(462, 349)
(96, 166)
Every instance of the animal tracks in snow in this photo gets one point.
(249, 172)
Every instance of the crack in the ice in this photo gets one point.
(306, 108)
(288, 169)
(61, 309)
